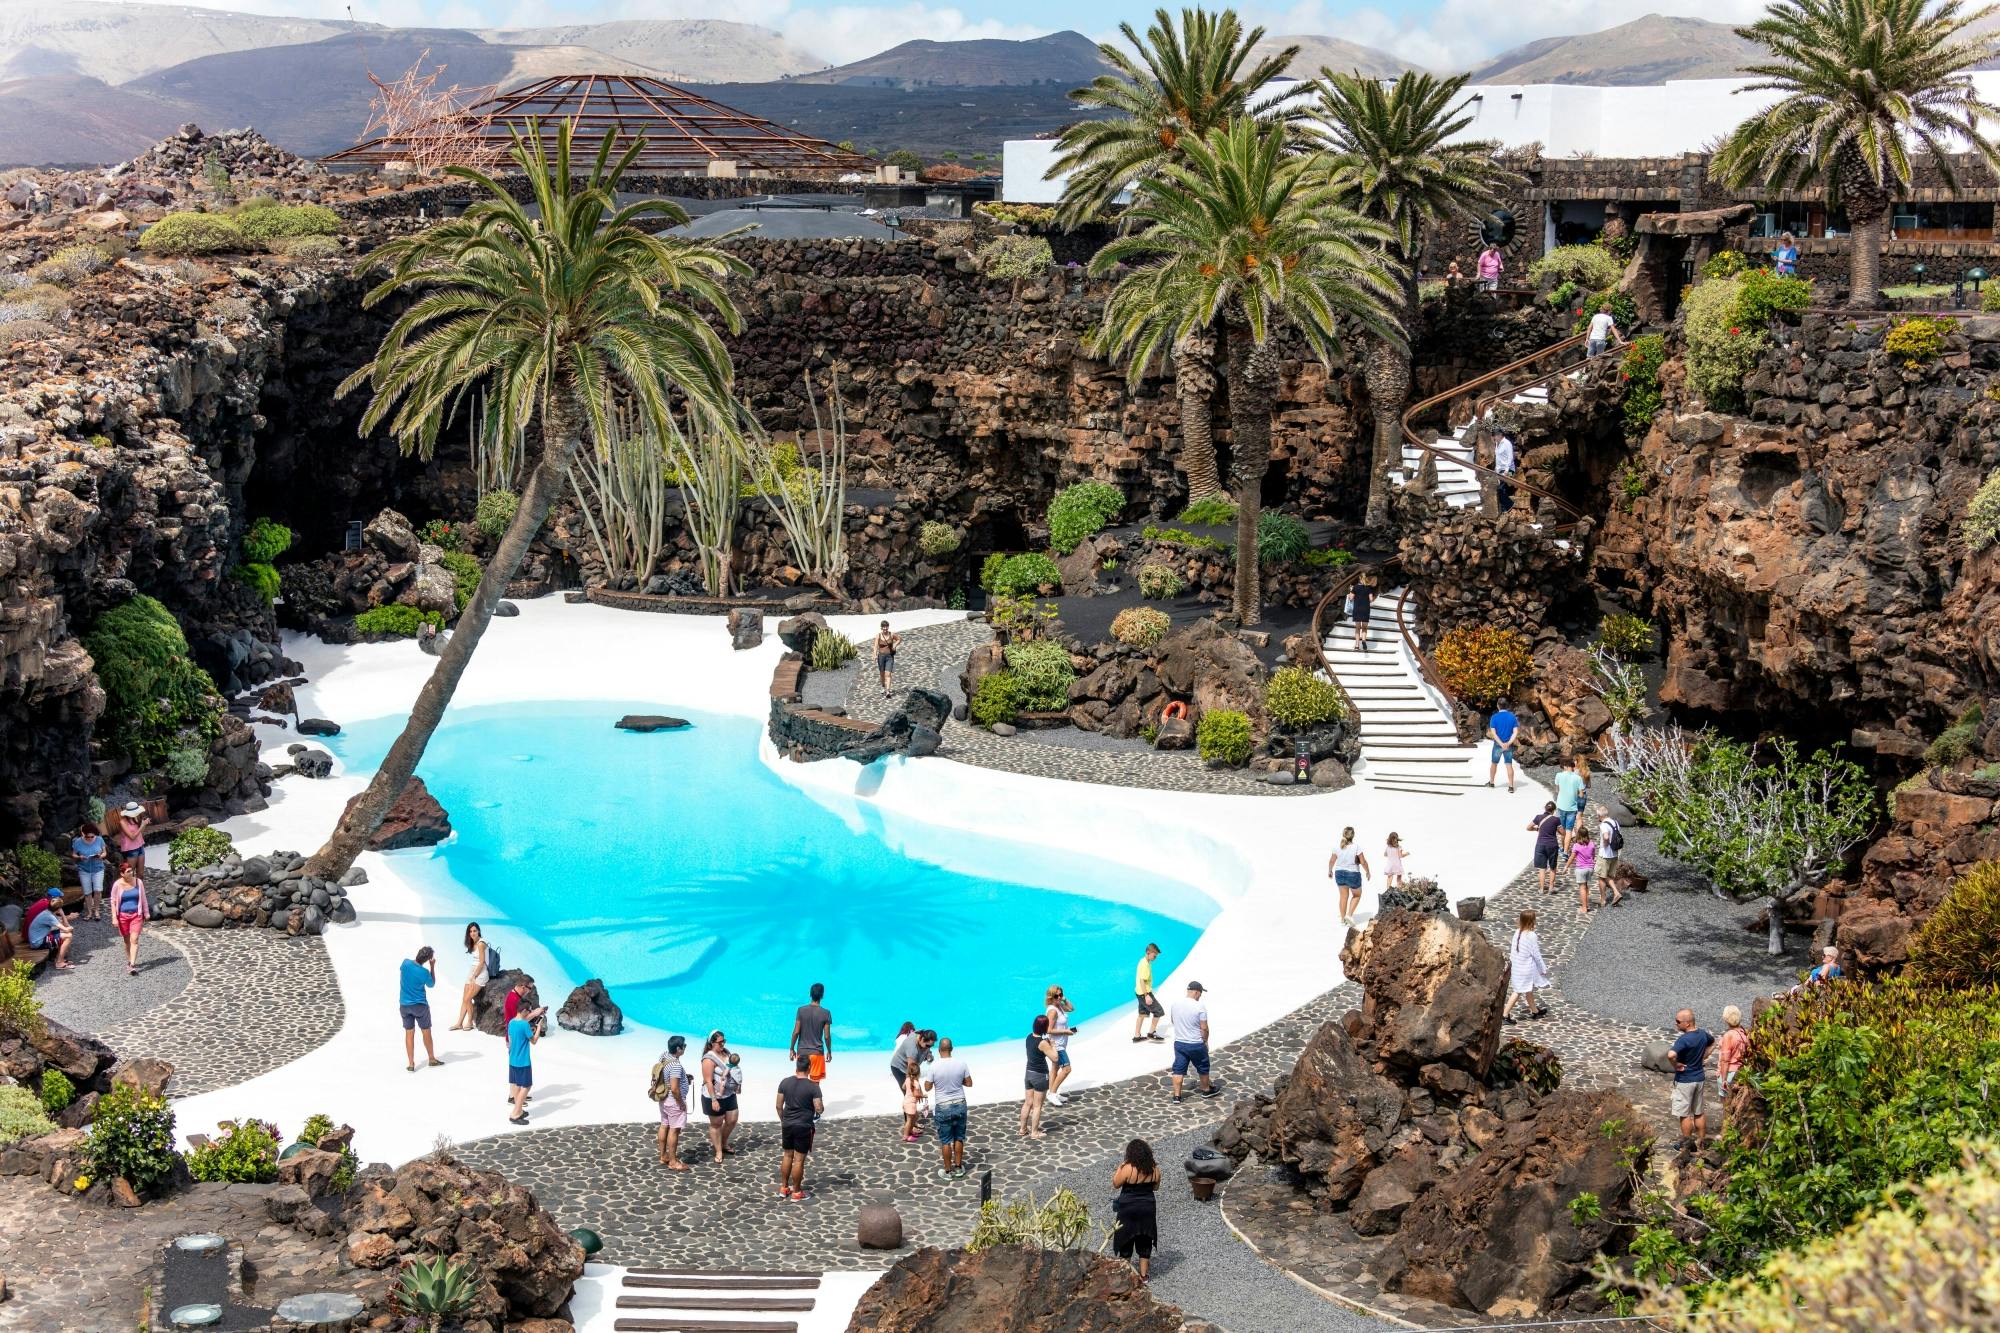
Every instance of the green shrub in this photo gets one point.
(1214, 512)
(41, 869)
(1482, 664)
(1012, 616)
(20, 1007)
(1015, 257)
(193, 234)
(57, 1092)
(309, 249)
(1954, 946)
(284, 221)
(1727, 264)
(1621, 307)
(1625, 634)
(400, 620)
(193, 848)
(1182, 537)
(247, 1154)
(264, 578)
(1280, 537)
(1140, 626)
(186, 767)
(1640, 370)
(265, 541)
(155, 698)
(1159, 582)
(1989, 298)
(1020, 574)
(1563, 295)
(832, 650)
(1326, 557)
(1043, 672)
(938, 540)
(1955, 742)
(1726, 327)
(494, 513)
(1080, 510)
(1762, 295)
(1590, 267)
(465, 575)
(1917, 342)
(990, 569)
(1063, 1223)
(996, 698)
(1297, 698)
(442, 533)
(72, 263)
(22, 1116)
(1982, 512)
(1224, 734)
(132, 1135)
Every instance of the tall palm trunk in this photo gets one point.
(560, 440)
(1387, 374)
(1253, 384)
(1194, 387)
(1867, 216)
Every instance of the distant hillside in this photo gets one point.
(928, 121)
(1068, 59)
(685, 50)
(1653, 49)
(1317, 53)
(116, 42)
(69, 120)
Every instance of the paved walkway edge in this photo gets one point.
(1337, 1298)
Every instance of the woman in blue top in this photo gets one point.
(89, 849)
(1786, 257)
(130, 910)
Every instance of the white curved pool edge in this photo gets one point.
(1272, 947)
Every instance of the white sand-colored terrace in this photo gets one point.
(1272, 946)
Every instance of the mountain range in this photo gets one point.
(99, 80)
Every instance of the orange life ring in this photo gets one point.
(1173, 711)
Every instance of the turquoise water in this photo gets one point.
(707, 893)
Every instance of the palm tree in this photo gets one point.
(555, 315)
(1860, 80)
(1179, 84)
(1394, 155)
(1246, 232)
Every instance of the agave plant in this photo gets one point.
(435, 1289)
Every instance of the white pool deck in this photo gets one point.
(1273, 945)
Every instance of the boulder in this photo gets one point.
(1472, 909)
(1658, 1057)
(278, 699)
(1013, 1289)
(589, 1010)
(390, 535)
(1079, 569)
(1498, 1234)
(1389, 1191)
(202, 916)
(311, 1169)
(1433, 989)
(746, 628)
(1334, 1116)
(83, 1059)
(144, 1073)
(489, 1007)
(414, 819)
(986, 659)
(503, 609)
(650, 722)
(917, 720)
(313, 764)
(1174, 733)
(1211, 667)
(798, 632)
(431, 587)
(1417, 894)
(880, 1227)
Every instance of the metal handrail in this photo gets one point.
(1487, 402)
(1459, 391)
(1335, 591)
(1425, 666)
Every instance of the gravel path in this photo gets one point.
(1200, 1265)
(98, 994)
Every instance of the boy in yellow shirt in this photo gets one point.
(1149, 1004)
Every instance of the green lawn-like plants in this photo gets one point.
(246, 1154)
(156, 698)
(261, 577)
(1918, 341)
(182, 234)
(1982, 512)
(1482, 664)
(1043, 672)
(1590, 267)
(1863, 1089)
(938, 540)
(1297, 698)
(1281, 537)
(193, 848)
(1640, 370)
(22, 1116)
(996, 698)
(1223, 734)
(1019, 575)
(1182, 537)
(1214, 512)
(1080, 510)
(1158, 582)
(1140, 626)
(832, 650)
(1326, 557)
(265, 540)
(402, 621)
(132, 1135)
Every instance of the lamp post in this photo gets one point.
(1978, 275)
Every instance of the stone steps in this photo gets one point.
(1408, 743)
(676, 1301)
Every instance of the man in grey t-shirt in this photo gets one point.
(949, 1078)
(812, 1033)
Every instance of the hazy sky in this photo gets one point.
(1439, 33)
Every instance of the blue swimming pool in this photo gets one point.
(707, 893)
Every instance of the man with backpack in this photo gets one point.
(1610, 842)
(670, 1087)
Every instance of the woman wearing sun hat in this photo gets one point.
(132, 823)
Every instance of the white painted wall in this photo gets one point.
(1568, 120)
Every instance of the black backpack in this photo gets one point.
(1615, 840)
(492, 960)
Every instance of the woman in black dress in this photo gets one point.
(1136, 1179)
(1041, 1056)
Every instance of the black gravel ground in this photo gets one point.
(98, 993)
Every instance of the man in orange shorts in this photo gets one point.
(812, 1034)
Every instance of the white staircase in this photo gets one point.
(1457, 484)
(1408, 742)
(654, 1300)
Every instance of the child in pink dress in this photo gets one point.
(1392, 861)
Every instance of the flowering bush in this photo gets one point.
(1640, 370)
(1482, 664)
(1726, 324)
(247, 1154)
(437, 532)
(1916, 342)
(132, 1135)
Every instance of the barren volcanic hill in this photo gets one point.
(1334, 53)
(1653, 49)
(1066, 58)
(684, 50)
(116, 42)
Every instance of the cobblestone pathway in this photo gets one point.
(258, 999)
(933, 655)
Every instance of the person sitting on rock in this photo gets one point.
(47, 927)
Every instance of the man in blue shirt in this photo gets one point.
(1569, 797)
(521, 1035)
(1690, 1054)
(417, 978)
(1503, 729)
